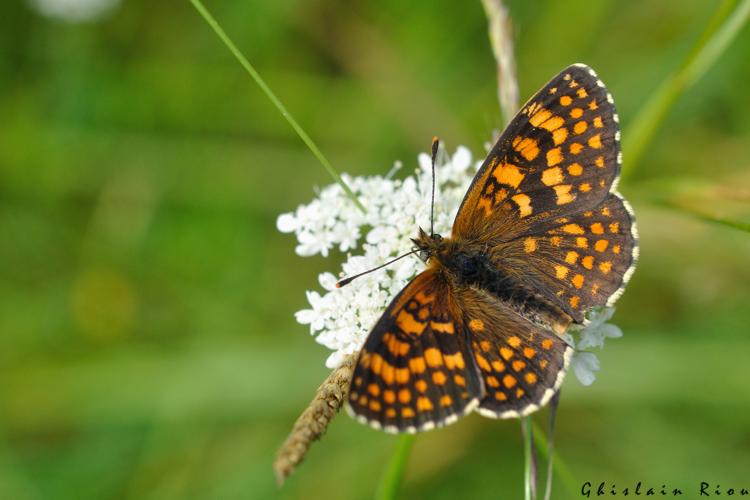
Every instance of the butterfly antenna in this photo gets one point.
(349, 279)
(435, 145)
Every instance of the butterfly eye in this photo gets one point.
(436, 237)
(424, 255)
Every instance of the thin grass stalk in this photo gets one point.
(275, 100)
(390, 481)
(720, 31)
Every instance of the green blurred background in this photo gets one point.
(148, 347)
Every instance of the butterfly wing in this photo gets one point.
(545, 203)
(415, 371)
(559, 155)
(521, 363)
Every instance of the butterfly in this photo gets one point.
(541, 237)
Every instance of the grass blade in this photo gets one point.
(720, 32)
(275, 100)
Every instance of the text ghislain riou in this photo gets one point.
(703, 489)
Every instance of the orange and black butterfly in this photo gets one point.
(541, 237)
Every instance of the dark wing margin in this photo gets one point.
(559, 155)
(521, 363)
(415, 371)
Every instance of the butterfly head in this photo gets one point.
(428, 245)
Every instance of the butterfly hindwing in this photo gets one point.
(578, 261)
(521, 363)
(415, 370)
(559, 155)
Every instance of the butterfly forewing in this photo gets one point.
(415, 371)
(559, 155)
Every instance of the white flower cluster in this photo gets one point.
(342, 318)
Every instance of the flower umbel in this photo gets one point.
(341, 318)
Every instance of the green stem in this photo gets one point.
(562, 470)
(525, 431)
(719, 33)
(275, 100)
(394, 471)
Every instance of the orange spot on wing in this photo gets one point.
(446, 400)
(595, 141)
(514, 341)
(571, 257)
(508, 174)
(563, 193)
(407, 413)
(439, 378)
(554, 157)
(459, 380)
(509, 381)
(373, 389)
(582, 242)
(605, 267)
(388, 373)
(421, 385)
(500, 396)
(375, 405)
(524, 204)
(529, 245)
(390, 412)
(599, 162)
(498, 366)
(519, 365)
(417, 364)
(541, 116)
(404, 396)
(597, 228)
(424, 404)
(576, 113)
(530, 378)
(601, 245)
(585, 187)
(552, 176)
(555, 241)
(389, 396)
(598, 122)
(574, 302)
(577, 280)
(492, 381)
(453, 361)
(575, 169)
(587, 262)
(506, 353)
(573, 229)
(547, 344)
(529, 352)
(593, 105)
(566, 100)
(580, 127)
(529, 148)
(582, 93)
(402, 375)
(559, 135)
(433, 357)
(476, 325)
(519, 393)
(442, 327)
(561, 272)
(408, 324)
(576, 148)
(614, 227)
(482, 362)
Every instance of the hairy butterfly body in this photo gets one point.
(541, 237)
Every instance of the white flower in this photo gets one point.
(584, 363)
(341, 319)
